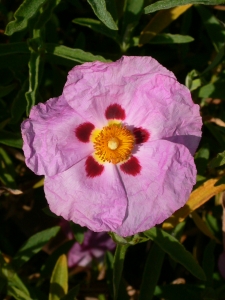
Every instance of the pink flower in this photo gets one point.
(116, 148)
(94, 246)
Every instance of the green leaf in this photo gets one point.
(97, 26)
(72, 293)
(46, 13)
(178, 292)
(212, 90)
(11, 139)
(192, 80)
(7, 170)
(33, 245)
(27, 10)
(219, 56)
(201, 159)
(118, 267)
(77, 55)
(208, 262)
(213, 27)
(78, 232)
(109, 271)
(19, 104)
(165, 4)
(34, 77)
(59, 279)
(15, 62)
(218, 161)
(132, 12)
(48, 267)
(5, 90)
(167, 38)
(171, 245)
(151, 272)
(17, 293)
(100, 9)
(14, 48)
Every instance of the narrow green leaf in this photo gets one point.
(15, 62)
(165, 4)
(48, 267)
(118, 267)
(109, 271)
(167, 38)
(7, 170)
(100, 9)
(5, 90)
(176, 250)
(59, 279)
(72, 293)
(19, 104)
(77, 55)
(213, 27)
(46, 13)
(218, 161)
(27, 10)
(11, 139)
(208, 262)
(132, 12)
(33, 245)
(178, 292)
(215, 62)
(14, 48)
(35, 70)
(151, 272)
(97, 26)
(78, 232)
(17, 293)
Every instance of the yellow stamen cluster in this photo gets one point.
(113, 143)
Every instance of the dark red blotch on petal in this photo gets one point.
(131, 167)
(141, 135)
(115, 111)
(92, 167)
(83, 131)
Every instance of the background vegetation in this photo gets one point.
(41, 40)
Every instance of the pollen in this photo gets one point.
(113, 143)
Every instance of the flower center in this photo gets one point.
(113, 143)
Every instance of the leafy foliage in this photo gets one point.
(40, 42)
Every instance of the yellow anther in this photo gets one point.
(113, 143)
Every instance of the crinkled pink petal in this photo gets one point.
(99, 203)
(92, 87)
(164, 184)
(150, 95)
(164, 107)
(50, 145)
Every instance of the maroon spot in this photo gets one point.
(141, 135)
(131, 167)
(115, 111)
(92, 167)
(83, 131)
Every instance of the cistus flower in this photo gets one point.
(94, 246)
(117, 146)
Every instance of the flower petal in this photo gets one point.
(50, 143)
(99, 203)
(165, 109)
(149, 95)
(94, 87)
(164, 184)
